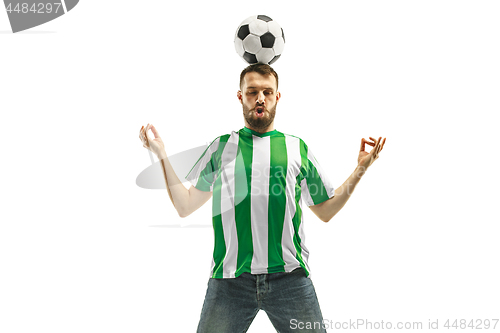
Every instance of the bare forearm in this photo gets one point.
(342, 194)
(178, 194)
(329, 208)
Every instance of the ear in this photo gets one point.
(240, 96)
(278, 96)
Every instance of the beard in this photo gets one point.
(259, 123)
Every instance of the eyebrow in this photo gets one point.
(268, 88)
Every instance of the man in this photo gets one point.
(258, 178)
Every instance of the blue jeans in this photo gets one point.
(289, 300)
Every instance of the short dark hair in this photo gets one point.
(263, 69)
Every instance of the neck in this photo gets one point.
(261, 130)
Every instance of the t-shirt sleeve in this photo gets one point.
(204, 172)
(316, 186)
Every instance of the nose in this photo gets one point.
(260, 98)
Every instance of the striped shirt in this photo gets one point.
(259, 181)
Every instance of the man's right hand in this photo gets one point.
(155, 145)
(185, 201)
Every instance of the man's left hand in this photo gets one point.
(366, 159)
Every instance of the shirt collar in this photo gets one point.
(249, 131)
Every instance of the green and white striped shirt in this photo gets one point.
(258, 183)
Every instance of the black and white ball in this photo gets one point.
(259, 39)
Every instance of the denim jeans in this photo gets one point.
(289, 300)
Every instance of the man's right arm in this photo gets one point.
(185, 201)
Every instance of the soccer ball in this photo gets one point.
(259, 39)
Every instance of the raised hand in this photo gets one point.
(155, 145)
(366, 159)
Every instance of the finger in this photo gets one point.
(381, 146)
(374, 150)
(362, 145)
(373, 144)
(146, 132)
(143, 139)
(383, 143)
(155, 132)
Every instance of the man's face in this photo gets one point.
(259, 98)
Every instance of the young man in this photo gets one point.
(258, 178)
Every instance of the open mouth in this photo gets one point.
(259, 111)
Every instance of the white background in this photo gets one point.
(84, 249)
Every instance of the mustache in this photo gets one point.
(259, 105)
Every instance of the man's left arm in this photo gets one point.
(327, 209)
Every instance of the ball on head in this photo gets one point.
(259, 39)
